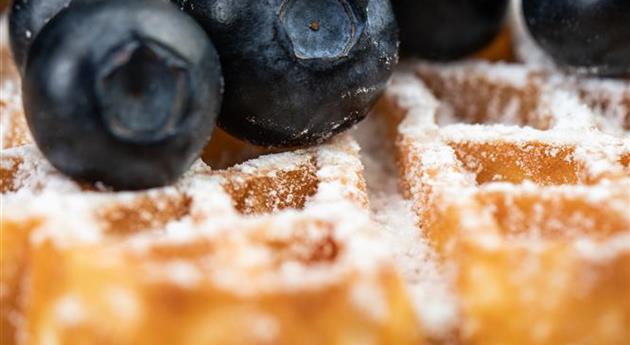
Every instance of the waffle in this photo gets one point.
(520, 179)
(277, 249)
(517, 175)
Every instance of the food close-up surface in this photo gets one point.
(347, 172)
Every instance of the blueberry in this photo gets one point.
(447, 30)
(26, 19)
(298, 71)
(123, 92)
(592, 36)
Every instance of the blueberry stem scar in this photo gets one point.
(332, 35)
(143, 91)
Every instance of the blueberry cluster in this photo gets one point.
(128, 92)
(587, 36)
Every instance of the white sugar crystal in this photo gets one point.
(371, 300)
(264, 328)
(602, 252)
(124, 303)
(70, 311)
(183, 273)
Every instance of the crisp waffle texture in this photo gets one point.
(519, 174)
(506, 221)
(520, 180)
(276, 250)
(279, 249)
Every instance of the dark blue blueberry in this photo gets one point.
(123, 92)
(298, 71)
(447, 30)
(589, 35)
(26, 20)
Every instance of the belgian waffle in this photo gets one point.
(278, 249)
(519, 175)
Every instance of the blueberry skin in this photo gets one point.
(122, 92)
(446, 30)
(592, 36)
(298, 71)
(26, 20)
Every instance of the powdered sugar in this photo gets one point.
(294, 250)
(426, 282)
(602, 252)
(442, 164)
(70, 311)
(200, 208)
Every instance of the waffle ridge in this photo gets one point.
(273, 248)
(519, 178)
(517, 174)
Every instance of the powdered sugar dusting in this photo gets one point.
(332, 241)
(13, 128)
(601, 252)
(426, 282)
(442, 164)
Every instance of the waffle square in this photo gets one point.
(520, 181)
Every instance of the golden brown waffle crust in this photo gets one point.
(274, 250)
(563, 157)
(518, 180)
(271, 235)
